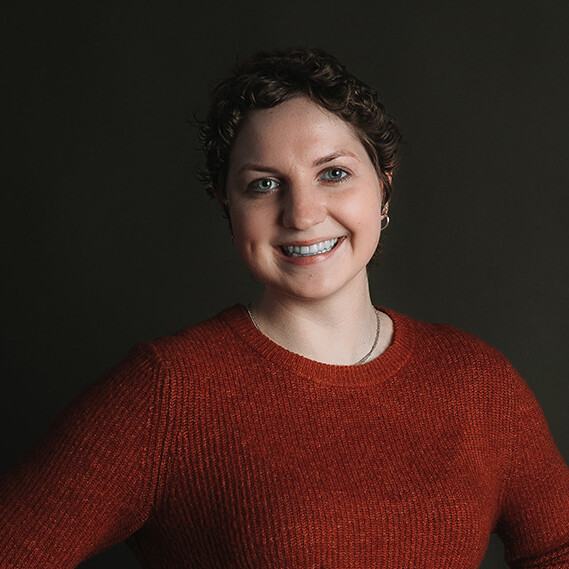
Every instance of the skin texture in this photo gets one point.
(299, 175)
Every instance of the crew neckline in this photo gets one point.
(375, 371)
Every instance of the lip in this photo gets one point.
(314, 259)
(311, 242)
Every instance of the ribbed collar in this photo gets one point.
(373, 372)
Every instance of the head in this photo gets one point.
(270, 78)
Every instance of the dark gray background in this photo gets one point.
(109, 239)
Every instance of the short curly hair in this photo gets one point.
(269, 78)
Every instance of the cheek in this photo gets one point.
(245, 227)
(250, 228)
(367, 213)
(369, 230)
(365, 210)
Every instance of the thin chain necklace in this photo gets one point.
(359, 362)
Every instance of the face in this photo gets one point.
(304, 201)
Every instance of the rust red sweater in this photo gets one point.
(216, 448)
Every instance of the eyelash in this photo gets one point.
(254, 186)
(345, 175)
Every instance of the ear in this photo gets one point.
(385, 206)
(222, 201)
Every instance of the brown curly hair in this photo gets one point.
(269, 78)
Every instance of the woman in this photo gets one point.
(309, 429)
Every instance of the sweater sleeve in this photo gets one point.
(90, 481)
(534, 515)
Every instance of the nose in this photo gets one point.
(303, 207)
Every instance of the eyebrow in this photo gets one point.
(254, 167)
(334, 156)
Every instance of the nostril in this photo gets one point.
(303, 213)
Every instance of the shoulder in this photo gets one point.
(447, 342)
(437, 339)
(472, 380)
(450, 354)
(154, 373)
(196, 346)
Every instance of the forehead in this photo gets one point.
(298, 126)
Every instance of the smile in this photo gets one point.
(309, 250)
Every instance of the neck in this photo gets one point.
(338, 330)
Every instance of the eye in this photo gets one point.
(334, 175)
(263, 185)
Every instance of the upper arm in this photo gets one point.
(534, 512)
(90, 481)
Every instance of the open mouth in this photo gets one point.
(309, 250)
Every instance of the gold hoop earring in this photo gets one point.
(384, 226)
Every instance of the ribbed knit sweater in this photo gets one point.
(217, 448)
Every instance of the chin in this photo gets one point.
(315, 289)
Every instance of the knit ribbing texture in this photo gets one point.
(217, 448)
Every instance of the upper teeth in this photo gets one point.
(309, 250)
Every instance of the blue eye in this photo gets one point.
(263, 185)
(334, 175)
